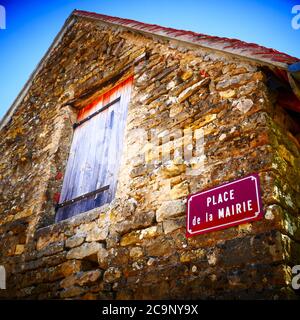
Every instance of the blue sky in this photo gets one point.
(31, 26)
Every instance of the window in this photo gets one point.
(91, 174)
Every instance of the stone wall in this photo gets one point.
(135, 248)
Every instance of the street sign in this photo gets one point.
(230, 204)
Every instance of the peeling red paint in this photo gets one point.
(58, 176)
(104, 98)
(204, 74)
(56, 197)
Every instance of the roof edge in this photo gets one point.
(249, 51)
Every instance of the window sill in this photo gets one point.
(73, 222)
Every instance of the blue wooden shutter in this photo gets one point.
(95, 153)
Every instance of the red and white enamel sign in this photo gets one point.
(225, 206)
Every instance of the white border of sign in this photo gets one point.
(229, 223)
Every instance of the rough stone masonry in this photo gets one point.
(135, 247)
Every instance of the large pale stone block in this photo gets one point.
(85, 251)
(170, 209)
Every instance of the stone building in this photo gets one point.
(111, 224)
